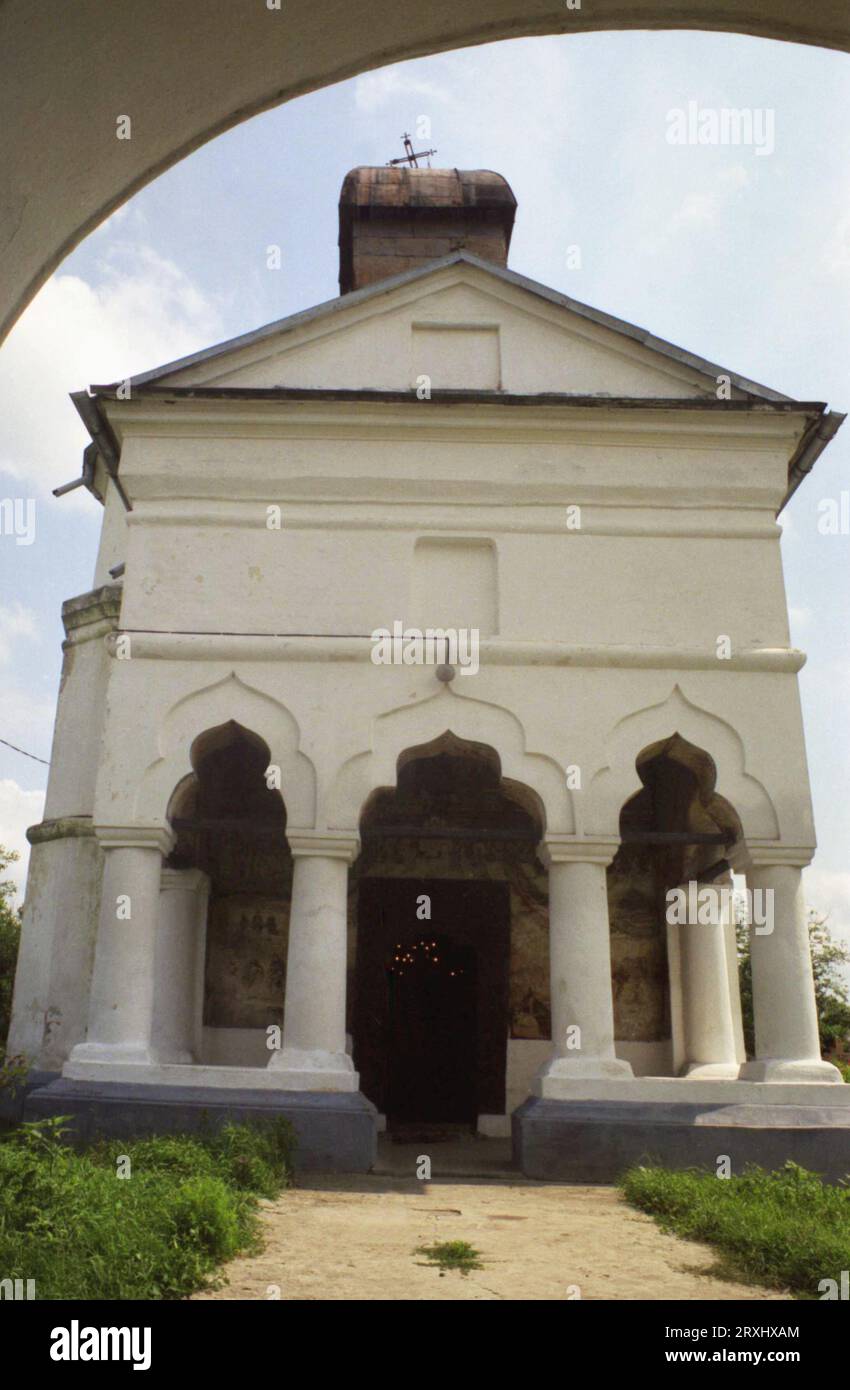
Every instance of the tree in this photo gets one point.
(831, 995)
(10, 935)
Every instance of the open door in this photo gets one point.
(431, 1004)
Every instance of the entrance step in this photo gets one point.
(453, 1154)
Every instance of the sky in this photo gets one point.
(738, 253)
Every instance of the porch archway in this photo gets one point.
(450, 956)
(230, 825)
(675, 985)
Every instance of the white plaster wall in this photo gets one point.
(336, 727)
(347, 582)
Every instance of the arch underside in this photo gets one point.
(187, 73)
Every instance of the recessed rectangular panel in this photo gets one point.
(458, 357)
(454, 584)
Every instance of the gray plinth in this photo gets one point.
(596, 1141)
(13, 1098)
(336, 1132)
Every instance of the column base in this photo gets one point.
(88, 1058)
(556, 1074)
(790, 1069)
(314, 1071)
(712, 1071)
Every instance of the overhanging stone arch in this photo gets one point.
(186, 73)
(472, 721)
(228, 700)
(614, 783)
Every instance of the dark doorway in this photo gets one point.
(431, 1010)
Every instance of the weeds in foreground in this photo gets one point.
(133, 1219)
(786, 1229)
(451, 1254)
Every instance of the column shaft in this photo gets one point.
(313, 1057)
(181, 935)
(709, 1031)
(580, 974)
(786, 1026)
(123, 982)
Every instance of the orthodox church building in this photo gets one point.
(434, 681)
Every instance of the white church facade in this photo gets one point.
(296, 858)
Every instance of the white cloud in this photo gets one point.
(702, 207)
(373, 90)
(18, 810)
(28, 719)
(837, 250)
(734, 176)
(800, 618)
(145, 311)
(15, 622)
(696, 209)
(828, 893)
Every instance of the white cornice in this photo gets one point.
(494, 651)
(488, 422)
(734, 521)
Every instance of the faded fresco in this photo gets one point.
(638, 948)
(248, 932)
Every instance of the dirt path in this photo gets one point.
(354, 1237)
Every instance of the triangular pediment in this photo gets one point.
(457, 324)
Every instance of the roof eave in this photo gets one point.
(810, 448)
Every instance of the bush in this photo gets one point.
(785, 1229)
(10, 937)
(68, 1221)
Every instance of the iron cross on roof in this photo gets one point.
(410, 156)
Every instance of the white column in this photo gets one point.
(123, 981)
(786, 1026)
(180, 943)
(708, 1018)
(579, 967)
(313, 1057)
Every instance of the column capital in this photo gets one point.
(159, 837)
(768, 856)
(325, 844)
(576, 849)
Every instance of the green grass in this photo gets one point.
(190, 1202)
(451, 1254)
(786, 1230)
